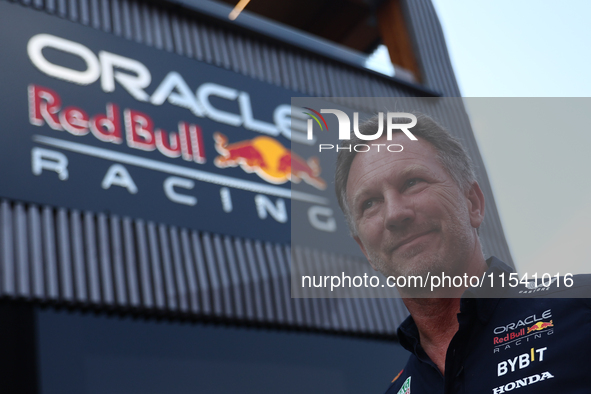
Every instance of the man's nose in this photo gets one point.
(399, 211)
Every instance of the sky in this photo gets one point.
(523, 48)
(538, 169)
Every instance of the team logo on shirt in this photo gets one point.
(405, 389)
(522, 361)
(529, 320)
(522, 382)
(523, 331)
(539, 326)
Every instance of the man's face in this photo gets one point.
(410, 215)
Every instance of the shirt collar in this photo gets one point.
(473, 302)
(408, 335)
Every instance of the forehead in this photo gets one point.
(373, 167)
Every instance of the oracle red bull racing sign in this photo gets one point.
(95, 122)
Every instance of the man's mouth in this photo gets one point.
(409, 239)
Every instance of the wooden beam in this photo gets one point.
(396, 38)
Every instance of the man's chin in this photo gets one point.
(420, 264)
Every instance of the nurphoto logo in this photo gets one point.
(392, 123)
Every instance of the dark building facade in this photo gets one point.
(131, 291)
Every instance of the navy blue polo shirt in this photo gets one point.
(528, 343)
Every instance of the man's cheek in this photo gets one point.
(371, 234)
(449, 198)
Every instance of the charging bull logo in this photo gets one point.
(539, 326)
(269, 159)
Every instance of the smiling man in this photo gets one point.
(417, 213)
(409, 215)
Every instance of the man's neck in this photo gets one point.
(436, 318)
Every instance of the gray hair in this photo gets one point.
(450, 153)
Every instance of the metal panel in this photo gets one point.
(106, 274)
(345, 306)
(126, 19)
(284, 275)
(222, 269)
(278, 292)
(73, 10)
(157, 274)
(22, 251)
(118, 258)
(106, 15)
(80, 274)
(130, 266)
(64, 257)
(263, 68)
(95, 13)
(179, 272)
(91, 255)
(314, 258)
(185, 27)
(166, 262)
(334, 305)
(36, 255)
(297, 303)
(254, 68)
(61, 8)
(220, 48)
(177, 37)
(315, 318)
(253, 298)
(266, 281)
(235, 279)
(261, 307)
(50, 254)
(193, 286)
(136, 22)
(166, 31)
(6, 244)
(108, 261)
(205, 43)
(147, 290)
(146, 22)
(202, 277)
(84, 13)
(216, 286)
(196, 40)
(156, 28)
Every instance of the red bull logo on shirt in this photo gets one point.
(539, 326)
(269, 159)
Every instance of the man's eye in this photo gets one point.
(413, 182)
(367, 204)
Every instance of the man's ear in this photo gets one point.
(358, 240)
(475, 205)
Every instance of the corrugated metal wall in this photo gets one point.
(84, 258)
(101, 261)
